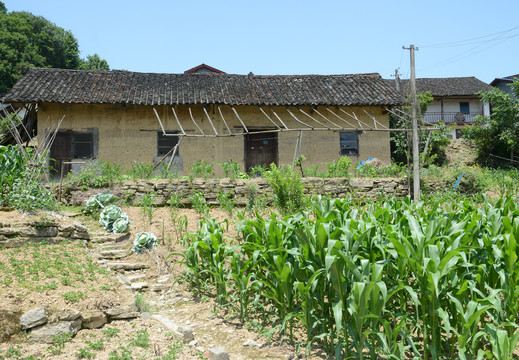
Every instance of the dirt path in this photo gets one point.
(160, 289)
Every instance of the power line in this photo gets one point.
(469, 41)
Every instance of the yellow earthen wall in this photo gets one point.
(128, 132)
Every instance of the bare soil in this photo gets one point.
(179, 303)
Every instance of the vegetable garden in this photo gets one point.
(390, 279)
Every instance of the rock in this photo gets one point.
(126, 266)
(159, 287)
(217, 353)
(94, 320)
(122, 312)
(33, 318)
(145, 316)
(251, 344)
(47, 333)
(184, 333)
(129, 279)
(139, 285)
(114, 254)
(9, 324)
(70, 315)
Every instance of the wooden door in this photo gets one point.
(59, 153)
(261, 149)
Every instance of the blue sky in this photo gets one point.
(294, 37)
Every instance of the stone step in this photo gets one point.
(123, 266)
(114, 254)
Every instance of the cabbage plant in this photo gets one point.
(143, 241)
(113, 219)
(98, 201)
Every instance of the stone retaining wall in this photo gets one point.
(133, 191)
(16, 235)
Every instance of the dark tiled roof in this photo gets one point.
(506, 79)
(73, 86)
(457, 86)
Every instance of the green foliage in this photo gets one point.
(231, 169)
(20, 185)
(226, 201)
(287, 187)
(140, 171)
(201, 169)
(114, 220)
(499, 133)
(29, 41)
(58, 343)
(143, 241)
(148, 206)
(94, 62)
(74, 296)
(339, 168)
(142, 339)
(98, 201)
(400, 141)
(111, 332)
(95, 174)
(141, 303)
(199, 203)
(392, 279)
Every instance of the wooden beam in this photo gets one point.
(178, 121)
(241, 122)
(210, 121)
(296, 119)
(268, 117)
(225, 122)
(160, 121)
(192, 118)
(311, 117)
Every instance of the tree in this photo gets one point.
(27, 40)
(400, 141)
(94, 62)
(497, 134)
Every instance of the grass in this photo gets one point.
(43, 267)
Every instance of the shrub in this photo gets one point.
(288, 188)
(339, 168)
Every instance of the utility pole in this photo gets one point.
(416, 150)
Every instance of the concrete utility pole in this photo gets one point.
(416, 150)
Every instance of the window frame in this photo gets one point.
(347, 149)
(161, 138)
(464, 105)
(75, 143)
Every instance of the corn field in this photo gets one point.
(392, 279)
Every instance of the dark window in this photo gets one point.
(349, 143)
(82, 145)
(464, 108)
(166, 143)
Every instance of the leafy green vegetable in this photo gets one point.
(144, 240)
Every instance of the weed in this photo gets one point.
(201, 169)
(287, 187)
(231, 169)
(174, 351)
(73, 296)
(141, 303)
(142, 339)
(126, 354)
(199, 203)
(58, 343)
(148, 206)
(85, 353)
(96, 345)
(253, 189)
(226, 201)
(111, 332)
(106, 286)
(140, 171)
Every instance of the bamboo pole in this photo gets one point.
(225, 122)
(210, 121)
(192, 118)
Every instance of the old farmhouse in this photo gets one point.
(126, 117)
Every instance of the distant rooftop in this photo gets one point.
(453, 86)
